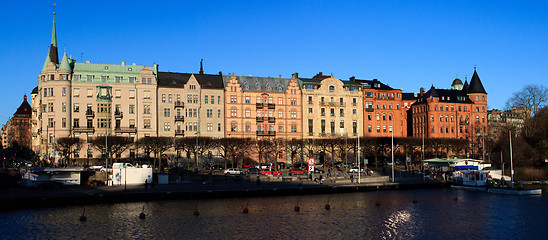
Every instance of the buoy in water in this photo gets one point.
(83, 218)
(377, 203)
(142, 215)
(196, 212)
(327, 206)
(245, 210)
(297, 208)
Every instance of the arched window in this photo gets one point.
(331, 88)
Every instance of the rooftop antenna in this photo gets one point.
(81, 57)
(474, 67)
(53, 8)
(201, 67)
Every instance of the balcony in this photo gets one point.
(310, 134)
(90, 113)
(322, 114)
(259, 105)
(125, 130)
(354, 104)
(271, 106)
(83, 129)
(464, 122)
(179, 132)
(179, 104)
(260, 119)
(369, 109)
(118, 114)
(266, 133)
(333, 104)
(179, 118)
(310, 102)
(271, 119)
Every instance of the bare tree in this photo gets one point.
(156, 145)
(68, 145)
(114, 144)
(531, 97)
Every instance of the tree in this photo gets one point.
(67, 146)
(115, 144)
(531, 97)
(156, 145)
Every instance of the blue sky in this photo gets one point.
(405, 44)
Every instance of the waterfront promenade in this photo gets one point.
(21, 197)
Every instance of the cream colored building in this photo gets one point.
(331, 107)
(85, 100)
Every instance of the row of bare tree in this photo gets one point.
(239, 151)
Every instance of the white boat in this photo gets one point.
(515, 191)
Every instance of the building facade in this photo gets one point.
(262, 107)
(18, 128)
(459, 112)
(331, 107)
(85, 100)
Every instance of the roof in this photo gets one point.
(206, 81)
(318, 81)
(408, 96)
(475, 84)
(373, 84)
(35, 90)
(448, 95)
(260, 84)
(25, 109)
(456, 81)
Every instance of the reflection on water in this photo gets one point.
(352, 216)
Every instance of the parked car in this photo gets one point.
(270, 171)
(248, 165)
(232, 171)
(298, 171)
(355, 170)
(264, 165)
(253, 170)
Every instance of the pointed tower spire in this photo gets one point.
(65, 65)
(201, 67)
(53, 55)
(475, 84)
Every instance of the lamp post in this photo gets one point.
(392, 130)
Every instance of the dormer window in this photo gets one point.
(331, 88)
(257, 86)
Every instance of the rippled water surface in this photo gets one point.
(352, 216)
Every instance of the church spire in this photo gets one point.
(53, 55)
(201, 67)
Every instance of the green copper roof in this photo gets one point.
(46, 63)
(110, 71)
(64, 63)
(53, 33)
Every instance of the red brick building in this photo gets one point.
(459, 112)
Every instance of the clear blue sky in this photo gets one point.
(405, 44)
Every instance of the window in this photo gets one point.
(378, 117)
(64, 107)
(341, 124)
(118, 93)
(293, 114)
(104, 78)
(118, 79)
(167, 126)
(166, 112)
(89, 78)
(310, 110)
(90, 92)
(233, 112)
(131, 108)
(233, 127)
(247, 99)
(331, 89)
(163, 98)
(146, 94)
(206, 101)
(146, 109)
(146, 123)
(76, 92)
(369, 128)
(131, 79)
(293, 127)
(131, 94)
(219, 113)
(233, 99)
(76, 107)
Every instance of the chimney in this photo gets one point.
(296, 75)
(123, 63)
(422, 91)
(352, 79)
(201, 67)
(220, 73)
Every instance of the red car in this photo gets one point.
(298, 171)
(270, 171)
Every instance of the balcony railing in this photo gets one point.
(83, 129)
(179, 132)
(260, 119)
(118, 114)
(179, 104)
(322, 114)
(354, 104)
(271, 106)
(271, 119)
(179, 118)
(125, 130)
(90, 113)
(266, 133)
(259, 105)
(333, 104)
(310, 134)
(369, 109)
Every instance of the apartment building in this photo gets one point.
(331, 107)
(459, 112)
(262, 107)
(85, 100)
(190, 105)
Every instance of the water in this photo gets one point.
(352, 216)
